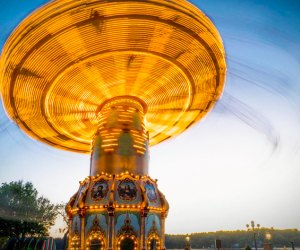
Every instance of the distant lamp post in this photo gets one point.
(218, 244)
(293, 245)
(268, 236)
(187, 243)
(267, 244)
(254, 230)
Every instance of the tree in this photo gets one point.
(235, 239)
(23, 213)
(61, 210)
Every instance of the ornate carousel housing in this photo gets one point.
(111, 78)
(119, 206)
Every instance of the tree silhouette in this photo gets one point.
(23, 213)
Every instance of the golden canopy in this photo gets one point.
(68, 57)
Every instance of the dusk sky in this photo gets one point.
(241, 163)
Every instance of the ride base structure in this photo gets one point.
(119, 205)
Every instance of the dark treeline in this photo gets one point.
(235, 239)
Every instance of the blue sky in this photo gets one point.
(241, 163)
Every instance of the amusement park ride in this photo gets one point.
(110, 78)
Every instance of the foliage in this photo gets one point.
(3, 242)
(235, 239)
(61, 211)
(23, 212)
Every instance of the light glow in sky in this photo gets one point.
(241, 163)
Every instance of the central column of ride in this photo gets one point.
(121, 142)
(118, 206)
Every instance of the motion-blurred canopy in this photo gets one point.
(67, 58)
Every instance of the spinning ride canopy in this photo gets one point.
(69, 57)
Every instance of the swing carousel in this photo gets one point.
(111, 78)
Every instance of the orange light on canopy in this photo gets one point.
(67, 58)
